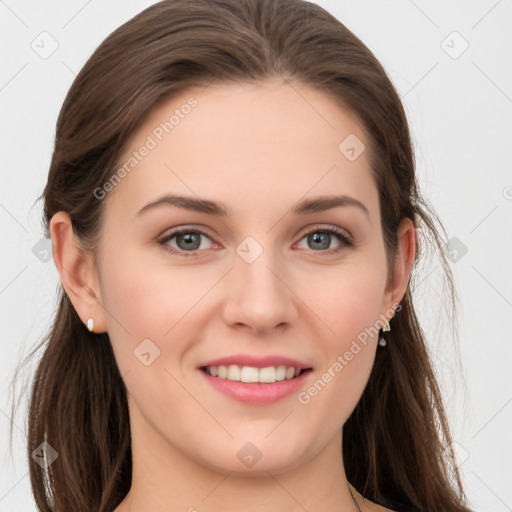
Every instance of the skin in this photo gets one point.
(258, 149)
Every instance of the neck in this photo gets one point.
(165, 479)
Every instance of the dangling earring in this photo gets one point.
(385, 328)
(90, 324)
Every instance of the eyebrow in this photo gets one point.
(305, 207)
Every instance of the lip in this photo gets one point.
(257, 362)
(256, 392)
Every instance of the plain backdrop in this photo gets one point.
(452, 64)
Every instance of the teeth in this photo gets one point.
(281, 373)
(233, 372)
(249, 374)
(268, 374)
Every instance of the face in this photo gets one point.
(263, 275)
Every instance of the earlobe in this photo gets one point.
(77, 272)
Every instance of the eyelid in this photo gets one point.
(326, 227)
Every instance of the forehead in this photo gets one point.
(248, 144)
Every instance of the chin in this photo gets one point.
(261, 468)
(246, 458)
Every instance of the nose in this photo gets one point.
(259, 298)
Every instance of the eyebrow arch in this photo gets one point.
(323, 203)
(307, 206)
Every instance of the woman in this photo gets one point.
(233, 209)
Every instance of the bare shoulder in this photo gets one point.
(373, 507)
(367, 505)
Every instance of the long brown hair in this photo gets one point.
(396, 444)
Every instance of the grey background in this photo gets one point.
(459, 103)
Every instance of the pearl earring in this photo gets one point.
(385, 328)
(90, 324)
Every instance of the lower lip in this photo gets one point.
(257, 392)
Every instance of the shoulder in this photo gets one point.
(367, 505)
(373, 507)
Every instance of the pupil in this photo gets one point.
(191, 240)
(317, 239)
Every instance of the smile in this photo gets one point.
(261, 385)
(249, 374)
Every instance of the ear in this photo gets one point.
(404, 260)
(77, 272)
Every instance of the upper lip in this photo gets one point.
(257, 362)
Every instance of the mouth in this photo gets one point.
(253, 374)
(256, 381)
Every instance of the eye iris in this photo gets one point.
(316, 238)
(193, 240)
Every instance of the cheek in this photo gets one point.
(156, 302)
(347, 361)
(351, 307)
(148, 299)
(350, 300)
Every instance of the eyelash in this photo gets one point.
(346, 242)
